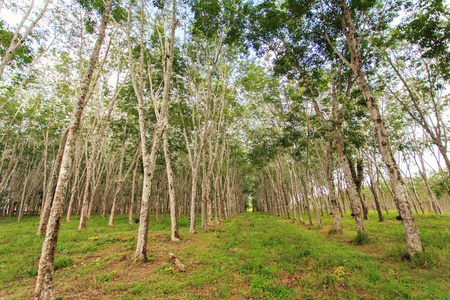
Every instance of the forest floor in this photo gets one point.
(251, 256)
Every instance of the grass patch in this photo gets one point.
(62, 262)
(360, 239)
(252, 256)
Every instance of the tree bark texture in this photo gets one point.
(44, 284)
(412, 232)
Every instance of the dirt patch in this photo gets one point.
(290, 280)
(214, 230)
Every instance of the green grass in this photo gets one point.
(252, 256)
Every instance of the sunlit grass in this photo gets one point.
(252, 256)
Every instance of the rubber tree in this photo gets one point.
(167, 44)
(336, 25)
(44, 283)
(17, 39)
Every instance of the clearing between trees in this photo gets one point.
(250, 256)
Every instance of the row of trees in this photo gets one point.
(130, 78)
(335, 53)
(161, 107)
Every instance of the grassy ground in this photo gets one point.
(252, 256)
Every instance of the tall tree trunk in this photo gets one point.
(193, 197)
(332, 191)
(149, 161)
(175, 235)
(412, 233)
(47, 200)
(411, 183)
(309, 196)
(44, 283)
(133, 187)
(386, 208)
(296, 191)
(375, 193)
(358, 182)
(204, 192)
(121, 179)
(22, 201)
(107, 188)
(423, 174)
(74, 185)
(351, 189)
(207, 181)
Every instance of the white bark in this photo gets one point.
(44, 283)
(16, 42)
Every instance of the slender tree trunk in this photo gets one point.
(109, 175)
(16, 41)
(306, 200)
(411, 183)
(47, 201)
(204, 191)
(207, 181)
(193, 197)
(375, 194)
(44, 155)
(332, 191)
(150, 160)
(423, 174)
(133, 186)
(74, 186)
(121, 179)
(44, 283)
(359, 175)
(22, 201)
(308, 192)
(216, 201)
(412, 233)
(386, 208)
(351, 189)
(175, 235)
(297, 193)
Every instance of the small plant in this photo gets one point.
(167, 268)
(31, 272)
(360, 239)
(94, 237)
(375, 276)
(105, 277)
(138, 288)
(281, 292)
(88, 248)
(62, 262)
(339, 273)
(332, 232)
(109, 240)
(398, 253)
(130, 246)
(303, 252)
(118, 255)
(327, 279)
(245, 269)
(425, 260)
(66, 249)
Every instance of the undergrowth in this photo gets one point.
(251, 256)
